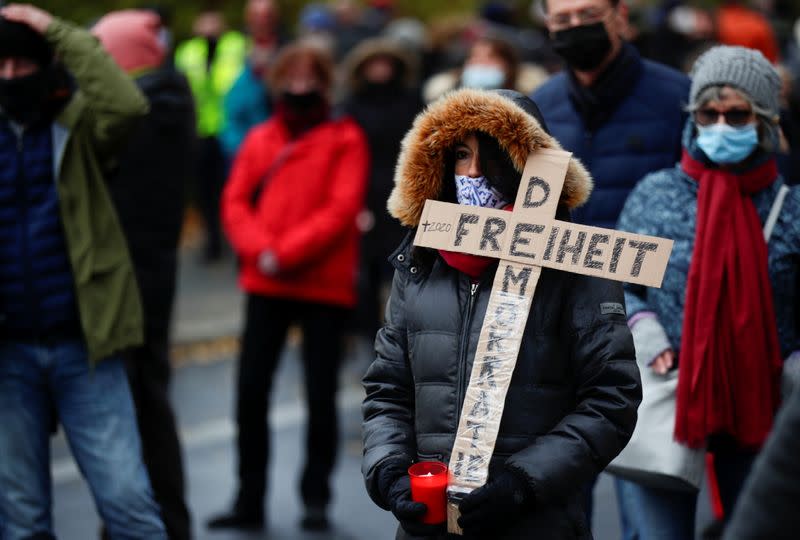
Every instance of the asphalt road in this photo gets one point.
(202, 394)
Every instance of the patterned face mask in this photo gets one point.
(477, 192)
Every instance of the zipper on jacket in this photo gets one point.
(464, 343)
(22, 197)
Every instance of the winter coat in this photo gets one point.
(87, 136)
(148, 188)
(246, 105)
(571, 406)
(664, 204)
(305, 213)
(641, 132)
(767, 507)
(385, 114)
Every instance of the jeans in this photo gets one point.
(663, 514)
(94, 406)
(626, 502)
(657, 514)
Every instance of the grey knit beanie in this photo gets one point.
(742, 68)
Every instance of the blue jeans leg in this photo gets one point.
(662, 514)
(25, 416)
(626, 504)
(96, 410)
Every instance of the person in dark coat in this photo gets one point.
(147, 190)
(619, 114)
(571, 405)
(767, 507)
(383, 98)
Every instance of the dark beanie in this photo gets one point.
(20, 40)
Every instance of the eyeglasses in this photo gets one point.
(733, 117)
(583, 17)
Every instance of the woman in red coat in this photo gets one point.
(289, 209)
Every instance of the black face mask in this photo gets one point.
(23, 98)
(583, 47)
(302, 102)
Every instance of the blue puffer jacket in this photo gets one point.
(665, 204)
(627, 125)
(37, 295)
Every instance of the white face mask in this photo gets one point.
(477, 192)
(483, 77)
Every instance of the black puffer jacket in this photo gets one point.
(571, 407)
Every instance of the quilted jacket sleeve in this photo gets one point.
(388, 408)
(607, 394)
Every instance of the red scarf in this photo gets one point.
(730, 359)
(472, 265)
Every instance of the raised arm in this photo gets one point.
(113, 101)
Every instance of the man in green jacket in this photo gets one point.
(69, 301)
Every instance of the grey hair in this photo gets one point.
(769, 137)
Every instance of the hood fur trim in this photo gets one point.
(420, 165)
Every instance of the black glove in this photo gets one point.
(493, 506)
(395, 486)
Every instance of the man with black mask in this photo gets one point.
(621, 115)
(69, 302)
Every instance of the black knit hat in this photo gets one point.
(20, 40)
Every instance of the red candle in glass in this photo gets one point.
(428, 485)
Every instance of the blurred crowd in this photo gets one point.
(284, 136)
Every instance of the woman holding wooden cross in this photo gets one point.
(572, 399)
(727, 314)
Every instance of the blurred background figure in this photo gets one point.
(289, 210)
(378, 14)
(739, 25)
(212, 61)
(677, 34)
(317, 25)
(148, 192)
(382, 96)
(351, 28)
(411, 35)
(247, 103)
(491, 63)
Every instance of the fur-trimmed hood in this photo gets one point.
(508, 116)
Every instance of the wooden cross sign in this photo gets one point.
(524, 240)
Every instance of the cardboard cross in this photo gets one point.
(524, 240)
